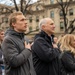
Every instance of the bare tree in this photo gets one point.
(69, 28)
(22, 6)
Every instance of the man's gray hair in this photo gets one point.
(42, 22)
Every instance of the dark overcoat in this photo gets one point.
(45, 57)
(68, 63)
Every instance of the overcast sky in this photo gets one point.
(34, 0)
(8, 2)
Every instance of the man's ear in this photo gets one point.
(43, 27)
(13, 24)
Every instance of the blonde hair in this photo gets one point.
(66, 43)
(12, 18)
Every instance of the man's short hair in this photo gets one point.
(12, 18)
(42, 22)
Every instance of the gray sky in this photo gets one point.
(8, 2)
(34, 0)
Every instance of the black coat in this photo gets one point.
(18, 59)
(68, 63)
(45, 57)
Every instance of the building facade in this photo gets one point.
(51, 8)
(46, 8)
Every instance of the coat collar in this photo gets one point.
(45, 36)
(11, 31)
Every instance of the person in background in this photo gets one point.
(1, 54)
(59, 40)
(67, 56)
(45, 52)
(17, 52)
(55, 39)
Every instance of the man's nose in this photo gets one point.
(54, 25)
(25, 22)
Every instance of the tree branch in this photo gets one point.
(31, 31)
(16, 7)
(26, 6)
(71, 24)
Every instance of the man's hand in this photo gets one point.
(27, 45)
(55, 45)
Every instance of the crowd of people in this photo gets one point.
(46, 55)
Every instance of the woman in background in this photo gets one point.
(68, 54)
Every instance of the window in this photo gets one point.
(30, 19)
(30, 28)
(51, 1)
(37, 27)
(5, 19)
(37, 8)
(1, 9)
(43, 16)
(70, 11)
(61, 25)
(60, 0)
(61, 13)
(37, 18)
(52, 14)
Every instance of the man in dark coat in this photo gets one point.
(45, 52)
(17, 53)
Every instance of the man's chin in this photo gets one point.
(53, 32)
(23, 31)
